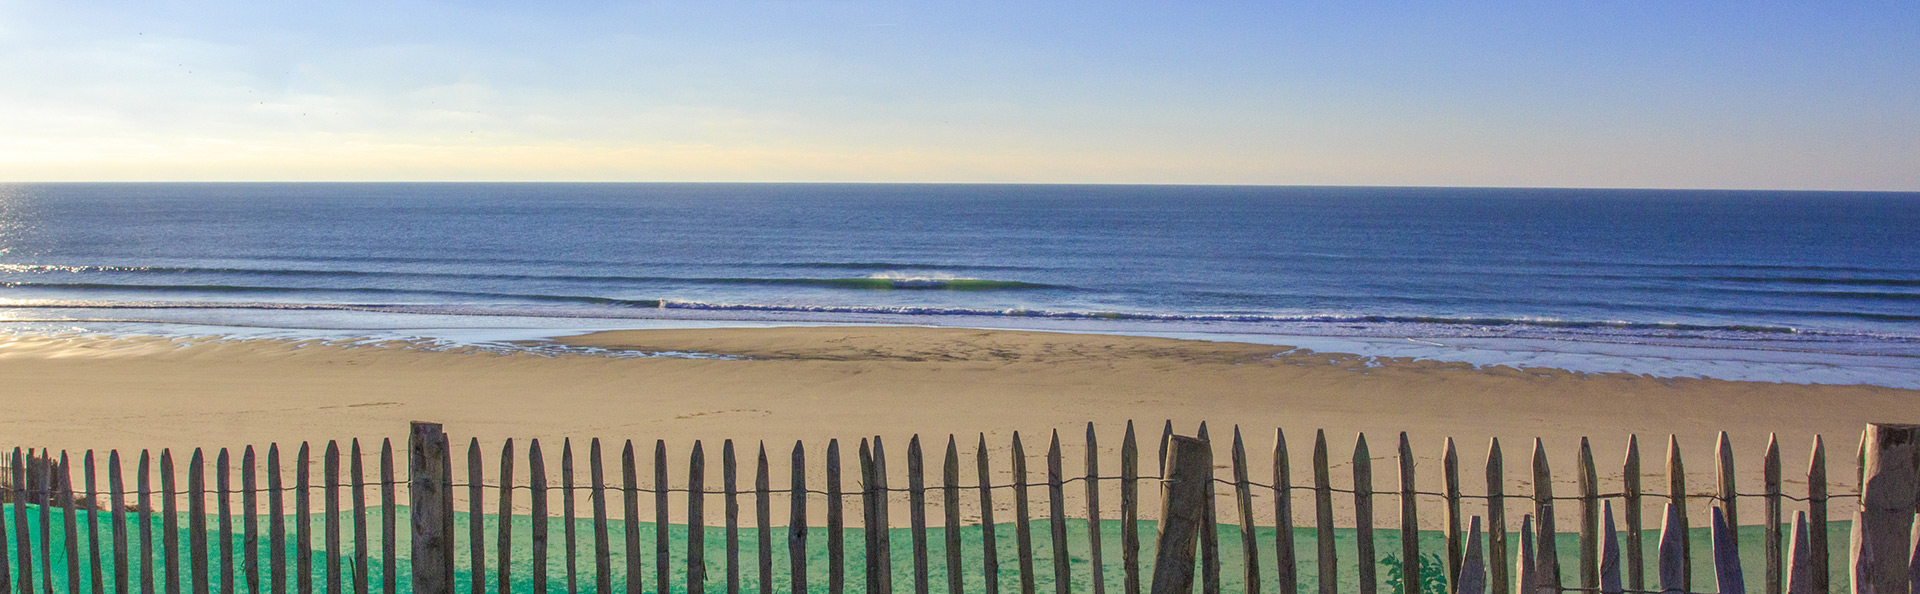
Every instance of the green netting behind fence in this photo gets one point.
(1387, 546)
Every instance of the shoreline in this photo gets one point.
(814, 382)
(1727, 361)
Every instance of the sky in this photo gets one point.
(1742, 95)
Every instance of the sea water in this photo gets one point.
(1777, 286)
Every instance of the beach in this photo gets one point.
(811, 297)
(779, 385)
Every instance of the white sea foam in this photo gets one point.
(1778, 366)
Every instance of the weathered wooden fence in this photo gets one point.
(47, 549)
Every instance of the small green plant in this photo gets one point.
(1433, 575)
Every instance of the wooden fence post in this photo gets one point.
(1636, 568)
(476, 522)
(1609, 569)
(1677, 495)
(763, 512)
(1287, 566)
(429, 485)
(989, 551)
(1770, 469)
(169, 525)
(871, 507)
(1817, 516)
(389, 522)
(1129, 511)
(568, 526)
(696, 520)
(302, 519)
(1726, 554)
(1057, 520)
(797, 523)
(93, 527)
(1096, 570)
(504, 574)
(537, 514)
(1473, 569)
(885, 549)
(1409, 522)
(1588, 481)
(1210, 530)
(1022, 521)
(1884, 524)
(1450, 470)
(1189, 464)
(1526, 568)
(6, 577)
(1800, 571)
(118, 499)
(1673, 555)
(836, 534)
(1496, 520)
(1243, 495)
(1363, 552)
(1326, 555)
(361, 542)
(950, 478)
(276, 526)
(1548, 547)
(917, 514)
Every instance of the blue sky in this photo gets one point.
(1654, 94)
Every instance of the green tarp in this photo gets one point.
(1387, 545)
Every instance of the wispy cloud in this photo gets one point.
(1627, 96)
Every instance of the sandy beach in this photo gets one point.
(815, 383)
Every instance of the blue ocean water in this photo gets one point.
(1808, 278)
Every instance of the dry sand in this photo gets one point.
(848, 382)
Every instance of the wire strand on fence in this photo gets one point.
(48, 492)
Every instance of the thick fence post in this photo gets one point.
(1182, 510)
(1885, 521)
(430, 484)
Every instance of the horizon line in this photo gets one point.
(974, 183)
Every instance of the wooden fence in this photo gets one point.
(46, 548)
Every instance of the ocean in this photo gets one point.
(1776, 286)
